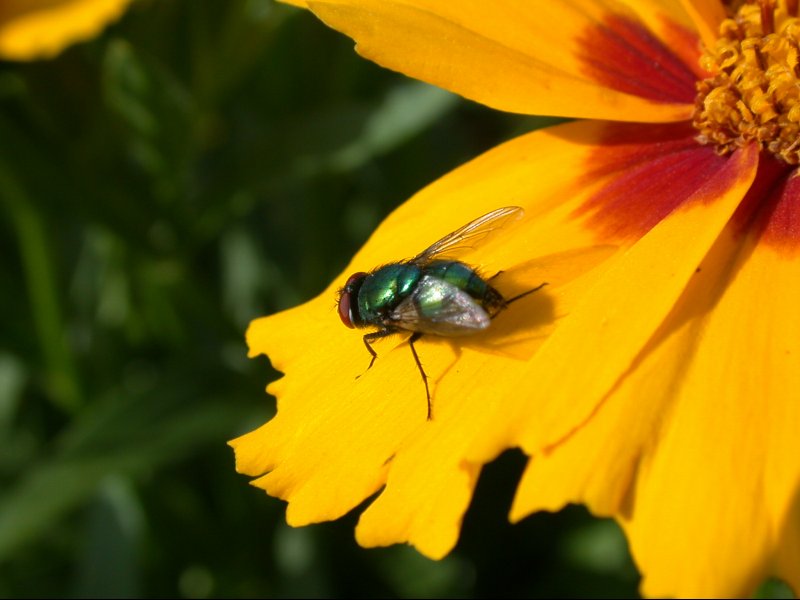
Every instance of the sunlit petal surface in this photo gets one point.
(34, 29)
(620, 313)
(662, 471)
(737, 345)
(575, 58)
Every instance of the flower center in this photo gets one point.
(754, 92)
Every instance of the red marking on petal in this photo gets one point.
(781, 227)
(622, 145)
(771, 208)
(622, 54)
(649, 171)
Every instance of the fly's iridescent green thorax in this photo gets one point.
(384, 288)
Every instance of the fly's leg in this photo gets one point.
(518, 296)
(501, 306)
(523, 294)
(411, 340)
(495, 275)
(371, 337)
(376, 335)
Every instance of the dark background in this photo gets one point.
(198, 165)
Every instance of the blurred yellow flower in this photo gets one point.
(35, 29)
(655, 379)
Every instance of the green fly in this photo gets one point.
(431, 293)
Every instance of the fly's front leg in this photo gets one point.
(371, 337)
(411, 341)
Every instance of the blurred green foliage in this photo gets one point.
(199, 165)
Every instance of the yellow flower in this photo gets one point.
(34, 29)
(656, 379)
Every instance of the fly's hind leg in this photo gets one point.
(504, 304)
(495, 275)
(416, 335)
(523, 294)
(518, 296)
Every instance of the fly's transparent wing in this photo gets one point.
(470, 235)
(440, 308)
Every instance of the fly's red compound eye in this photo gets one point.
(348, 300)
(344, 308)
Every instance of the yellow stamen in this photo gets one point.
(754, 93)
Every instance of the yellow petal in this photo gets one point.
(34, 29)
(724, 479)
(303, 451)
(577, 59)
(420, 488)
(698, 442)
(335, 437)
(617, 317)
